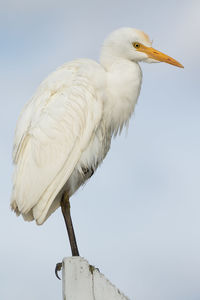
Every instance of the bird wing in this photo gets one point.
(53, 130)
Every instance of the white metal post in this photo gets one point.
(82, 281)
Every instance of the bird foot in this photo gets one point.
(57, 269)
(92, 269)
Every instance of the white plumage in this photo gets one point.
(65, 131)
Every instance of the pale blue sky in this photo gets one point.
(137, 219)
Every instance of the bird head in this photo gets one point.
(134, 45)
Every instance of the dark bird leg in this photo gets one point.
(65, 207)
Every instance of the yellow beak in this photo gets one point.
(157, 55)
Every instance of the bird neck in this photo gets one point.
(123, 87)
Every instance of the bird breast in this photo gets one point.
(122, 89)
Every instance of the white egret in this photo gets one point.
(65, 131)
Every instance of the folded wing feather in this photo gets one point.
(53, 131)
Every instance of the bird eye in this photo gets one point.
(136, 45)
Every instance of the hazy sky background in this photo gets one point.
(138, 218)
